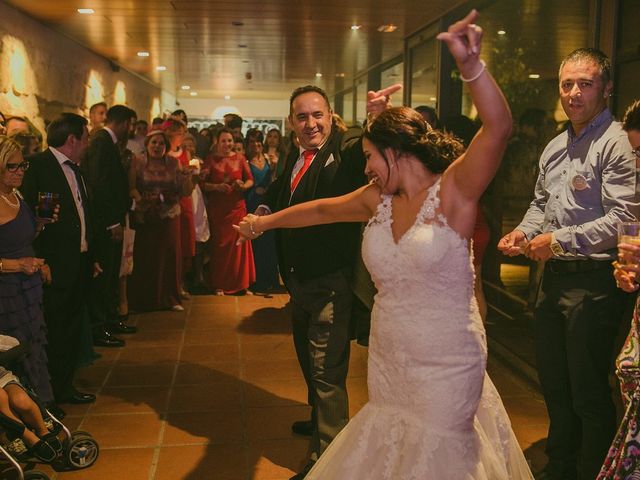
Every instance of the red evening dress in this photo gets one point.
(231, 268)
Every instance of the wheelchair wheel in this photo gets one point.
(35, 475)
(82, 451)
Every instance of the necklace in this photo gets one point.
(9, 202)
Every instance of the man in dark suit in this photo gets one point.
(317, 262)
(109, 192)
(64, 245)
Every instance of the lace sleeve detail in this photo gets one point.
(383, 212)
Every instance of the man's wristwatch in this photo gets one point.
(556, 248)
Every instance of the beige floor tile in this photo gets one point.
(275, 393)
(211, 336)
(267, 369)
(123, 375)
(132, 400)
(93, 376)
(207, 373)
(274, 422)
(127, 430)
(121, 463)
(154, 338)
(226, 352)
(138, 355)
(281, 349)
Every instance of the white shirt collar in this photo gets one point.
(61, 157)
(113, 135)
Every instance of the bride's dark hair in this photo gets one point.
(403, 130)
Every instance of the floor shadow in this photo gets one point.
(268, 320)
(226, 392)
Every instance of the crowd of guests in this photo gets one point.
(119, 215)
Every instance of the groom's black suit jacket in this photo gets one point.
(59, 243)
(337, 169)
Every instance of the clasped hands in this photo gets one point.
(515, 243)
(248, 228)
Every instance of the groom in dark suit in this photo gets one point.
(65, 246)
(317, 262)
(109, 192)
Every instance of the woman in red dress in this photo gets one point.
(231, 268)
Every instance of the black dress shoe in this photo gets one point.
(79, 398)
(55, 410)
(107, 340)
(120, 327)
(303, 427)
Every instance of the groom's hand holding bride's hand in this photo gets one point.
(247, 228)
(463, 39)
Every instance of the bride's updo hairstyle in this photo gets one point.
(403, 130)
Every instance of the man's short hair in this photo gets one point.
(157, 121)
(119, 114)
(142, 122)
(232, 120)
(631, 120)
(593, 55)
(96, 105)
(308, 89)
(66, 124)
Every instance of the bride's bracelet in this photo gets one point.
(477, 75)
(253, 232)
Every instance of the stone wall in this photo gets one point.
(43, 73)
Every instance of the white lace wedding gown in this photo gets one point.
(433, 413)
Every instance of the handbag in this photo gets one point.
(128, 239)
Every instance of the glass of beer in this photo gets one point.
(47, 202)
(629, 233)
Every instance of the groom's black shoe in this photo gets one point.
(303, 473)
(303, 427)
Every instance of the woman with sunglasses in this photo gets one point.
(21, 273)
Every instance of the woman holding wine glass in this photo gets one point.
(21, 273)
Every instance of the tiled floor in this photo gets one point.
(210, 393)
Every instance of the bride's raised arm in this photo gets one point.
(473, 171)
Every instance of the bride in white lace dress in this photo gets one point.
(433, 413)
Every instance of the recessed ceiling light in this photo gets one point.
(237, 23)
(161, 68)
(242, 45)
(86, 11)
(185, 87)
(388, 28)
(143, 54)
(432, 99)
(534, 75)
(501, 32)
(356, 27)
(193, 94)
(227, 97)
(340, 75)
(318, 75)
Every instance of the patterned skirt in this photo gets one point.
(623, 459)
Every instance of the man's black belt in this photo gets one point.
(576, 266)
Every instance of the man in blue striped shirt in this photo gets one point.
(586, 186)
